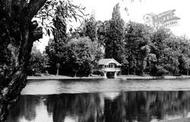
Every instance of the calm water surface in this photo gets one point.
(133, 106)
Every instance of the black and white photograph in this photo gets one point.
(94, 61)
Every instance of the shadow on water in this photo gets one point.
(103, 107)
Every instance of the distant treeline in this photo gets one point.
(139, 48)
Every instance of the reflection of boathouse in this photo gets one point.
(109, 67)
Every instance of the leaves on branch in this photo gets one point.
(62, 8)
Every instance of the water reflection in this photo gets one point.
(81, 107)
(25, 109)
(102, 107)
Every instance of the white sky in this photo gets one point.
(136, 11)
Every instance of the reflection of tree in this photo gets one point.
(84, 107)
(144, 106)
(115, 111)
(25, 107)
(127, 107)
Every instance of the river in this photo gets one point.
(103, 101)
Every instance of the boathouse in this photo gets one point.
(109, 67)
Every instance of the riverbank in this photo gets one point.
(123, 77)
(82, 85)
(136, 77)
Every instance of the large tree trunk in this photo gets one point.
(17, 34)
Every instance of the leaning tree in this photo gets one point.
(18, 31)
(17, 34)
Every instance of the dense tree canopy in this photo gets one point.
(139, 48)
(155, 52)
(76, 57)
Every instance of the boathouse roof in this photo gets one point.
(107, 61)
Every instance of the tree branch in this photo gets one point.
(34, 6)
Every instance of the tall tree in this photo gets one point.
(56, 48)
(114, 44)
